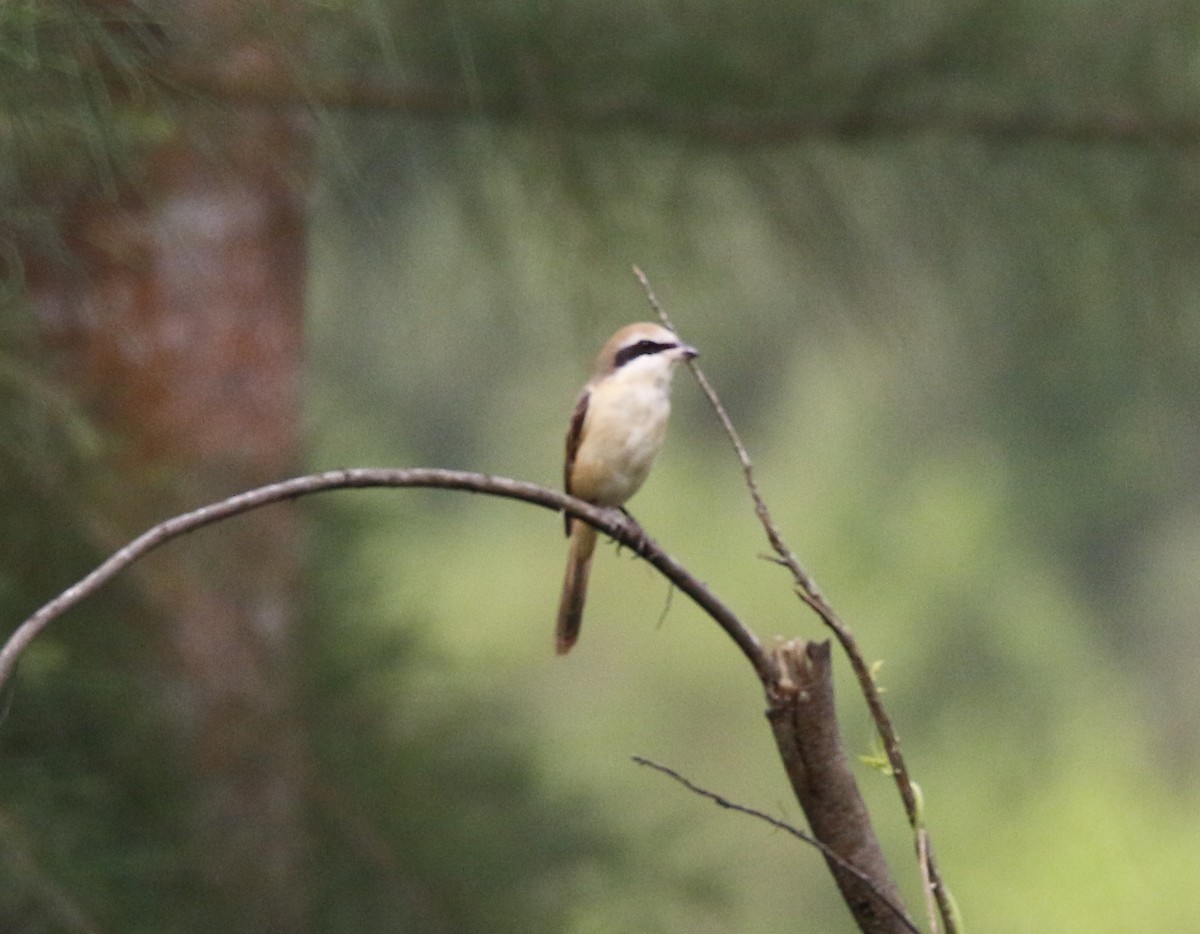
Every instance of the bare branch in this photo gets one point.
(807, 590)
(828, 852)
(612, 522)
(1103, 125)
(786, 558)
(926, 882)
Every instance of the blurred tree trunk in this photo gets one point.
(177, 314)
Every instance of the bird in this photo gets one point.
(615, 432)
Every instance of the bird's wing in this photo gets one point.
(574, 435)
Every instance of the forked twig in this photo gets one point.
(807, 590)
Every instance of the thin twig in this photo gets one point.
(926, 882)
(786, 557)
(826, 851)
(612, 522)
(807, 590)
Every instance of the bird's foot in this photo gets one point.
(637, 539)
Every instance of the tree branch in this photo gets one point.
(829, 792)
(803, 720)
(1104, 125)
(771, 672)
(808, 592)
(609, 521)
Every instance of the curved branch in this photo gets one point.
(611, 522)
(823, 811)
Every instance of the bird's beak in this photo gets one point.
(688, 352)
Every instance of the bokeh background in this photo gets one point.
(941, 261)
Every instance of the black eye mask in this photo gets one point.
(641, 348)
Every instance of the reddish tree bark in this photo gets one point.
(178, 317)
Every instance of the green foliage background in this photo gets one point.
(940, 259)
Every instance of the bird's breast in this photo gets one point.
(622, 432)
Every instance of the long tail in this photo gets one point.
(574, 592)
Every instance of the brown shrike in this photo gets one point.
(617, 428)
